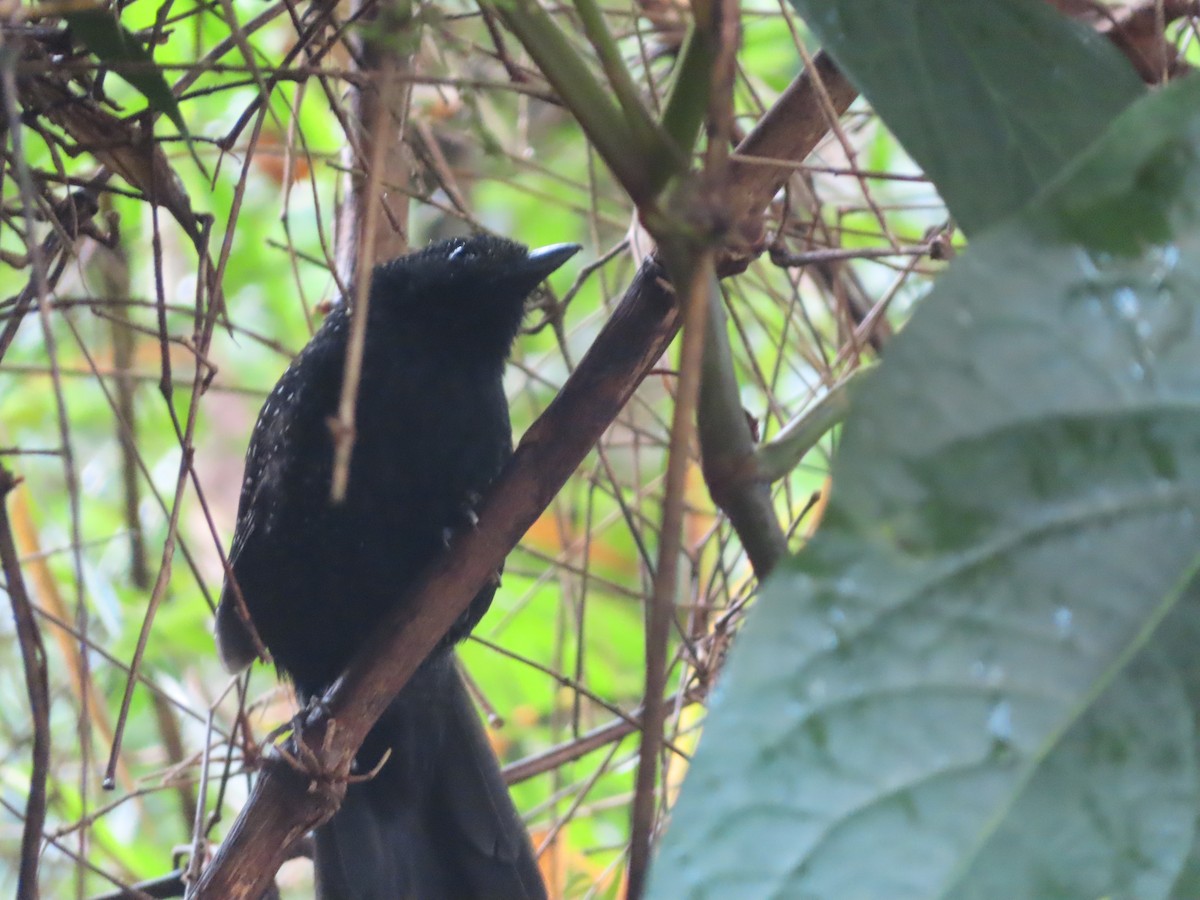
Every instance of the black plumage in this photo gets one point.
(432, 432)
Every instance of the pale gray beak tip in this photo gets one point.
(545, 260)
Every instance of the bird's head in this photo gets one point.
(463, 288)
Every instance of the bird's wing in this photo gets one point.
(235, 644)
(272, 452)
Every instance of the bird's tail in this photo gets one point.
(436, 822)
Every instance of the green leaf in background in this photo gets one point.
(991, 99)
(979, 679)
(113, 44)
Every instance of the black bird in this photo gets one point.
(317, 578)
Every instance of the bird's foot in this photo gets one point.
(469, 517)
(299, 754)
(313, 764)
(367, 776)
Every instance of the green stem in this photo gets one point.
(654, 143)
(778, 457)
(607, 129)
(687, 100)
(726, 446)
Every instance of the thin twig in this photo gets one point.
(33, 655)
(70, 472)
(342, 426)
(662, 605)
(577, 748)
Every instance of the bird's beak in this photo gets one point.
(544, 260)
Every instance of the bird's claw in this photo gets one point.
(473, 500)
(469, 516)
(303, 759)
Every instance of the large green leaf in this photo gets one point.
(976, 681)
(991, 99)
(114, 45)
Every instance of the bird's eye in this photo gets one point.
(457, 251)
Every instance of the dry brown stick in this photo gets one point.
(666, 574)
(717, 23)
(70, 641)
(114, 274)
(160, 587)
(138, 376)
(1139, 32)
(41, 279)
(82, 862)
(113, 269)
(61, 624)
(372, 199)
(380, 112)
(114, 142)
(572, 684)
(69, 218)
(172, 744)
(382, 106)
(577, 748)
(549, 840)
(186, 434)
(33, 655)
